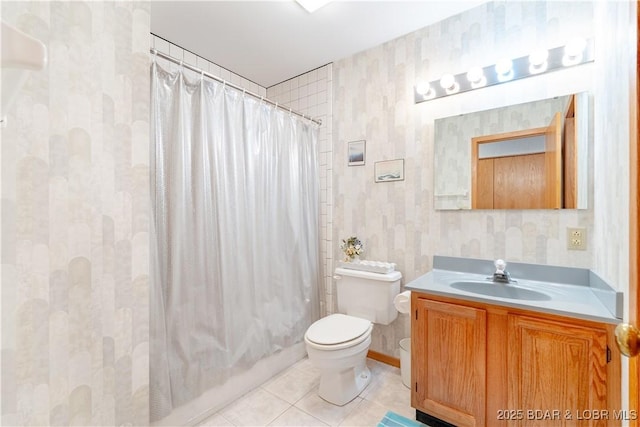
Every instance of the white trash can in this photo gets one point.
(405, 361)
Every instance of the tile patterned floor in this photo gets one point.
(291, 399)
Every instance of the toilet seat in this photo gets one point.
(338, 331)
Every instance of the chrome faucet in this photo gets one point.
(501, 275)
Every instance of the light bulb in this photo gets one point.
(504, 66)
(504, 69)
(538, 57)
(423, 88)
(538, 61)
(573, 52)
(475, 75)
(448, 82)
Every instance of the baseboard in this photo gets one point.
(393, 361)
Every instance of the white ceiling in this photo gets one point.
(269, 42)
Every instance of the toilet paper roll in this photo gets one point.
(402, 302)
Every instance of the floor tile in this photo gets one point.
(325, 411)
(257, 408)
(291, 399)
(216, 420)
(296, 418)
(388, 391)
(378, 372)
(380, 368)
(293, 384)
(366, 414)
(307, 366)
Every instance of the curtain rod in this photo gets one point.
(244, 91)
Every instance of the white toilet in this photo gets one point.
(338, 344)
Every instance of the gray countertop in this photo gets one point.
(580, 301)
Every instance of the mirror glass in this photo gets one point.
(525, 156)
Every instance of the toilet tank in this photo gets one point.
(368, 295)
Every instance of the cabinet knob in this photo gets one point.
(628, 339)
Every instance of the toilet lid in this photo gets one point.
(336, 329)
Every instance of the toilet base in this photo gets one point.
(344, 372)
(340, 388)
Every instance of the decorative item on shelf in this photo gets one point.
(352, 248)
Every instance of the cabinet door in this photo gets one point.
(449, 352)
(558, 371)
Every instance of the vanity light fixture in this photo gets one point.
(577, 52)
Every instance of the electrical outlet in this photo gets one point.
(576, 239)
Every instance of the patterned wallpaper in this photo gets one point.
(75, 208)
(616, 34)
(616, 31)
(75, 218)
(373, 100)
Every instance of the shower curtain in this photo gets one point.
(235, 251)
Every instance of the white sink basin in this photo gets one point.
(500, 290)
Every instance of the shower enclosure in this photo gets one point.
(235, 248)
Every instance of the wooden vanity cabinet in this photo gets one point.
(450, 366)
(479, 364)
(559, 367)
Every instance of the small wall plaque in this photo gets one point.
(356, 153)
(389, 170)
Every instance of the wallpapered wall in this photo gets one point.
(74, 173)
(75, 218)
(373, 100)
(613, 92)
(616, 30)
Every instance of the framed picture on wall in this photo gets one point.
(355, 153)
(389, 170)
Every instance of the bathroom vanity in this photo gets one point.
(530, 353)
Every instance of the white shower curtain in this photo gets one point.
(235, 252)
